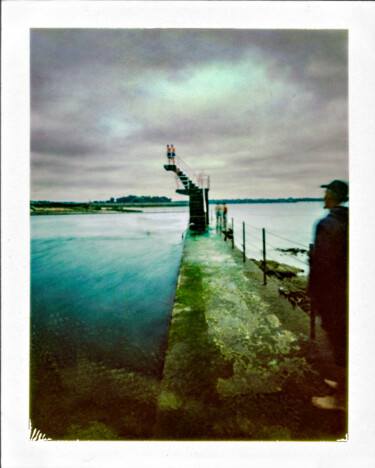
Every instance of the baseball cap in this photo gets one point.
(339, 188)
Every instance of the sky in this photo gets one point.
(263, 112)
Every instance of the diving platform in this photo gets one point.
(196, 188)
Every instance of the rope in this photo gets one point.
(294, 258)
(284, 238)
(189, 172)
(269, 257)
(276, 235)
(256, 238)
(256, 248)
(268, 243)
(238, 232)
(284, 265)
(249, 225)
(274, 247)
(290, 287)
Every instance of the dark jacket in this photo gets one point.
(328, 282)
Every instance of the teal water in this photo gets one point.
(102, 293)
(102, 286)
(287, 225)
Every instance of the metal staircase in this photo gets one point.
(196, 188)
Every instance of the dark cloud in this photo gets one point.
(264, 104)
(59, 143)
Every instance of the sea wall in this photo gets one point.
(239, 364)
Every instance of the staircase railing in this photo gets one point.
(201, 181)
(204, 181)
(186, 169)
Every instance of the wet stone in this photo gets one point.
(235, 349)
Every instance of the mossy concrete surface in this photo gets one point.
(240, 364)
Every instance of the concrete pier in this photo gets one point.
(239, 362)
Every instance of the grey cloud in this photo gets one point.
(94, 107)
(58, 143)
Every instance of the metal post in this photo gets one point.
(264, 257)
(312, 306)
(244, 244)
(232, 234)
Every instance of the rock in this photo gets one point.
(295, 291)
(278, 270)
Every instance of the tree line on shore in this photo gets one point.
(158, 199)
(128, 199)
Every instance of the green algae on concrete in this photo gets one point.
(238, 360)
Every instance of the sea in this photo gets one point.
(99, 279)
(289, 229)
(114, 275)
(102, 292)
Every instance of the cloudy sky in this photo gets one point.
(263, 112)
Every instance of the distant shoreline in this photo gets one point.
(45, 210)
(60, 208)
(98, 205)
(265, 200)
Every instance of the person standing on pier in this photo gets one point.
(169, 154)
(328, 286)
(225, 212)
(173, 153)
(218, 215)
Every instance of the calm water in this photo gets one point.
(288, 225)
(102, 291)
(104, 284)
(98, 280)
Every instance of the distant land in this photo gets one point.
(132, 199)
(129, 204)
(132, 203)
(266, 200)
